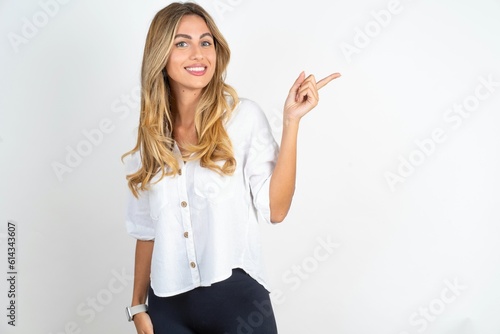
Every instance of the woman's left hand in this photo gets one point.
(303, 95)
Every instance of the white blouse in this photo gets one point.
(205, 224)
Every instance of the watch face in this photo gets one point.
(129, 316)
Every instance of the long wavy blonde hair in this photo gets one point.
(155, 140)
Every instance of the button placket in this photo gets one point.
(186, 222)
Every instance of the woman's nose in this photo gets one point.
(196, 53)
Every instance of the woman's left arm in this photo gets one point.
(302, 98)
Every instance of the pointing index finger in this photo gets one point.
(323, 82)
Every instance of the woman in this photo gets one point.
(204, 172)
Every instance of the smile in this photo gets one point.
(198, 70)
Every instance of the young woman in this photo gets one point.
(204, 172)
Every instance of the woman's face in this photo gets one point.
(191, 64)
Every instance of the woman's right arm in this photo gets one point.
(142, 271)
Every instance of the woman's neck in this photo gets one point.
(184, 106)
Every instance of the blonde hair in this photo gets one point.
(154, 140)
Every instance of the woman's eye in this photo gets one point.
(206, 43)
(181, 44)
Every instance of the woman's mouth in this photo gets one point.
(196, 70)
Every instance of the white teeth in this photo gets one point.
(195, 69)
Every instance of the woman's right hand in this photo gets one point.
(143, 323)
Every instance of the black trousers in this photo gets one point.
(237, 305)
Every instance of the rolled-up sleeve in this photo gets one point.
(261, 160)
(138, 221)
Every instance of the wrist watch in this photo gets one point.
(131, 311)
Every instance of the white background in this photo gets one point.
(398, 248)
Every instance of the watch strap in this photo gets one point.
(131, 311)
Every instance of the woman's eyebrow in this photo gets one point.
(206, 34)
(189, 37)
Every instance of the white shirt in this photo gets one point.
(204, 224)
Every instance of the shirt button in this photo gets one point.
(186, 234)
(180, 171)
(193, 265)
(184, 204)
